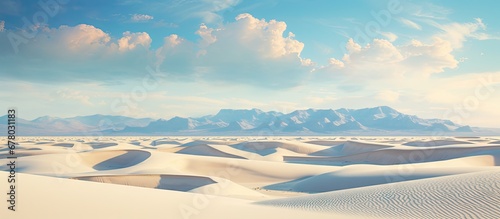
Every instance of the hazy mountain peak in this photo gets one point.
(241, 121)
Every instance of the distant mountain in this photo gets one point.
(80, 125)
(381, 119)
(376, 120)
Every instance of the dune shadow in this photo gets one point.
(434, 143)
(330, 151)
(98, 145)
(128, 159)
(326, 142)
(207, 150)
(285, 186)
(162, 142)
(45, 142)
(260, 148)
(183, 183)
(64, 144)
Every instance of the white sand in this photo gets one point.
(255, 177)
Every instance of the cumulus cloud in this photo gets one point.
(382, 59)
(2, 26)
(141, 17)
(248, 50)
(177, 57)
(415, 59)
(81, 52)
(130, 41)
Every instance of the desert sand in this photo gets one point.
(254, 177)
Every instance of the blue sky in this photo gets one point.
(435, 59)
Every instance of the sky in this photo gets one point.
(159, 59)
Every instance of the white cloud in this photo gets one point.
(458, 33)
(428, 58)
(207, 10)
(87, 40)
(129, 41)
(417, 59)
(206, 35)
(81, 52)
(212, 8)
(2, 26)
(389, 36)
(80, 37)
(177, 57)
(141, 17)
(410, 23)
(69, 94)
(248, 50)
(388, 95)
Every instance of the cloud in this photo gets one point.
(207, 10)
(75, 53)
(2, 26)
(383, 59)
(388, 95)
(130, 41)
(410, 23)
(210, 14)
(247, 51)
(458, 33)
(69, 94)
(389, 36)
(141, 17)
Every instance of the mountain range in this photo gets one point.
(376, 120)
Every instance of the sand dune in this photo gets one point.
(473, 195)
(356, 176)
(268, 147)
(49, 197)
(257, 177)
(432, 143)
(168, 182)
(104, 160)
(391, 156)
(206, 150)
(326, 142)
(350, 148)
